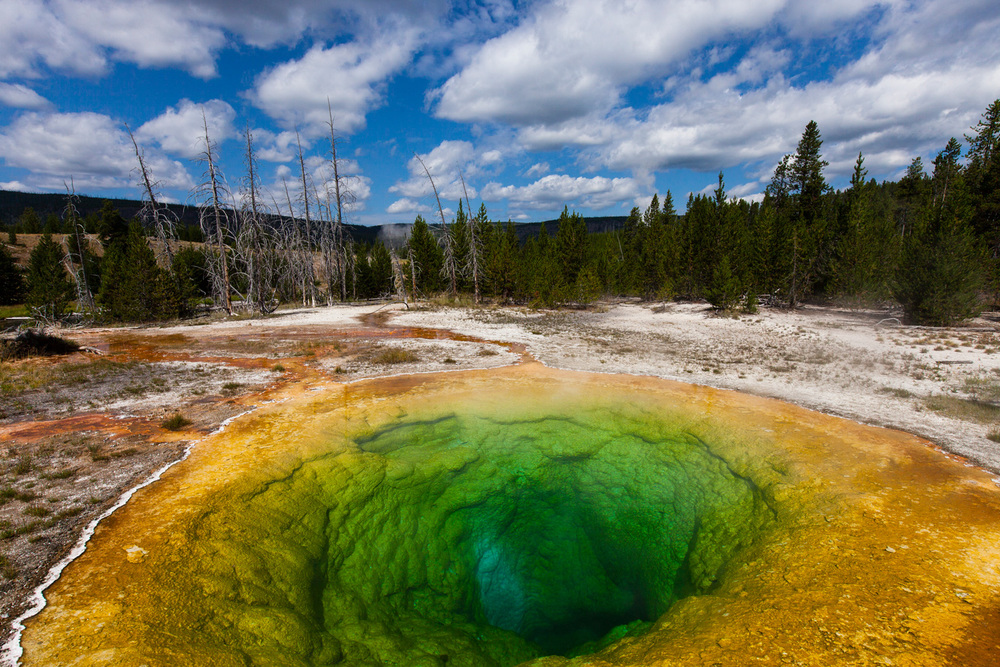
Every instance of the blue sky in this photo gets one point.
(595, 104)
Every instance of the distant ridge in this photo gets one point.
(12, 204)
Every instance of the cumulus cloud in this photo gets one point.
(16, 186)
(181, 130)
(555, 190)
(91, 149)
(447, 163)
(894, 102)
(80, 36)
(21, 97)
(32, 34)
(572, 58)
(350, 76)
(406, 205)
(538, 169)
(179, 39)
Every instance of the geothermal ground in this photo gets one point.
(77, 431)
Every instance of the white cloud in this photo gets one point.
(491, 157)
(148, 33)
(574, 58)
(447, 163)
(406, 205)
(351, 76)
(276, 146)
(17, 186)
(32, 34)
(21, 97)
(538, 169)
(181, 130)
(555, 190)
(890, 118)
(929, 74)
(91, 149)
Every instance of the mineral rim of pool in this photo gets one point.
(527, 515)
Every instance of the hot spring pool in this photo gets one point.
(502, 517)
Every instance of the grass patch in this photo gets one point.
(19, 310)
(176, 423)
(897, 392)
(17, 379)
(278, 368)
(395, 355)
(993, 434)
(9, 493)
(62, 474)
(984, 389)
(7, 568)
(35, 510)
(230, 388)
(964, 409)
(24, 466)
(487, 352)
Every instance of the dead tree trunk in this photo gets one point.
(162, 224)
(339, 221)
(218, 217)
(449, 251)
(473, 243)
(309, 236)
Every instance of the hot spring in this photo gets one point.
(533, 515)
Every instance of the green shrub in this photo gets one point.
(176, 423)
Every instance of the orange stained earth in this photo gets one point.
(883, 551)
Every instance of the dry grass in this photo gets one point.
(395, 355)
(964, 409)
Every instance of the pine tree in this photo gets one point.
(571, 245)
(49, 287)
(724, 291)
(652, 259)
(940, 278)
(381, 268)
(459, 231)
(983, 177)
(134, 288)
(807, 233)
(11, 280)
(855, 262)
(427, 255)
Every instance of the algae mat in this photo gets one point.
(532, 515)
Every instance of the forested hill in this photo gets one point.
(12, 205)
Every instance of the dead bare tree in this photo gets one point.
(215, 222)
(309, 235)
(398, 281)
(301, 254)
(339, 221)
(474, 244)
(152, 214)
(256, 241)
(78, 255)
(449, 268)
(413, 270)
